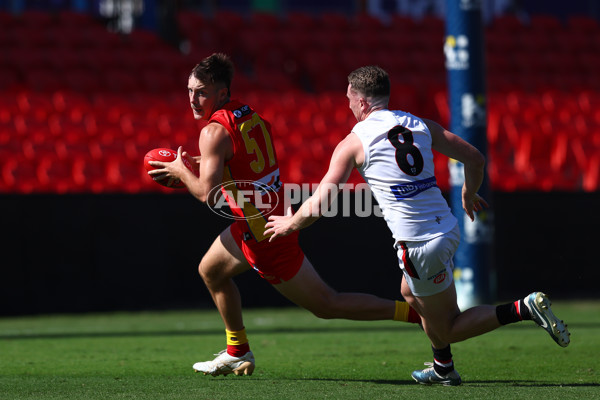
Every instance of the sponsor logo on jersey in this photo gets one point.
(242, 111)
(407, 190)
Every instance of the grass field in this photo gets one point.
(149, 355)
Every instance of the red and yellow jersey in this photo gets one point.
(251, 182)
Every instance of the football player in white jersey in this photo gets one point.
(393, 152)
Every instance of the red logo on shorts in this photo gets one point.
(440, 278)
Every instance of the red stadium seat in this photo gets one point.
(82, 80)
(527, 106)
(507, 24)
(24, 59)
(10, 79)
(588, 101)
(537, 42)
(323, 40)
(432, 24)
(572, 44)
(119, 81)
(544, 156)
(156, 81)
(37, 19)
(300, 40)
(298, 20)
(265, 21)
(144, 39)
(274, 79)
(189, 22)
(333, 22)
(19, 175)
(545, 23)
(44, 80)
(8, 21)
(125, 176)
(55, 175)
(549, 63)
(367, 23)
(498, 42)
(404, 23)
(442, 173)
(63, 60)
(74, 19)
(510, 131)
(67, 102)
(88, 175)
(584, 24)
(591, 178)
(502, 176)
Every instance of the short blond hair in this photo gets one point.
(371, 81)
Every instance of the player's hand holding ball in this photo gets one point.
(165, 166)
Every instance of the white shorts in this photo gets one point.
(428, 265)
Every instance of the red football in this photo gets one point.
(165, 155)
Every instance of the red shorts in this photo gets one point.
(277, 261)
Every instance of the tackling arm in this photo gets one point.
(347, 155)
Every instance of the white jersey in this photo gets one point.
(399, 169)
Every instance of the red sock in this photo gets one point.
(237, 343)
(239, 350)
(413, 316)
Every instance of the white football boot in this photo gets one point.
(224, 364)
(539, 308)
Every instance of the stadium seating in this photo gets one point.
(79, 105)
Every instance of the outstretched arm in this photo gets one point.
(347, 155)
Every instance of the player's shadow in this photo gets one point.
(394, 382)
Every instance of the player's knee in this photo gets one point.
(208, 273)
(322, 306)
(327, 308)
(323, 312)
(407, 294)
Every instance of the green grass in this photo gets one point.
(149, 356)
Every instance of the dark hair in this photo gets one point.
(216, 68)
(371, 81)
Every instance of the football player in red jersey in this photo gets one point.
(237, 153)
